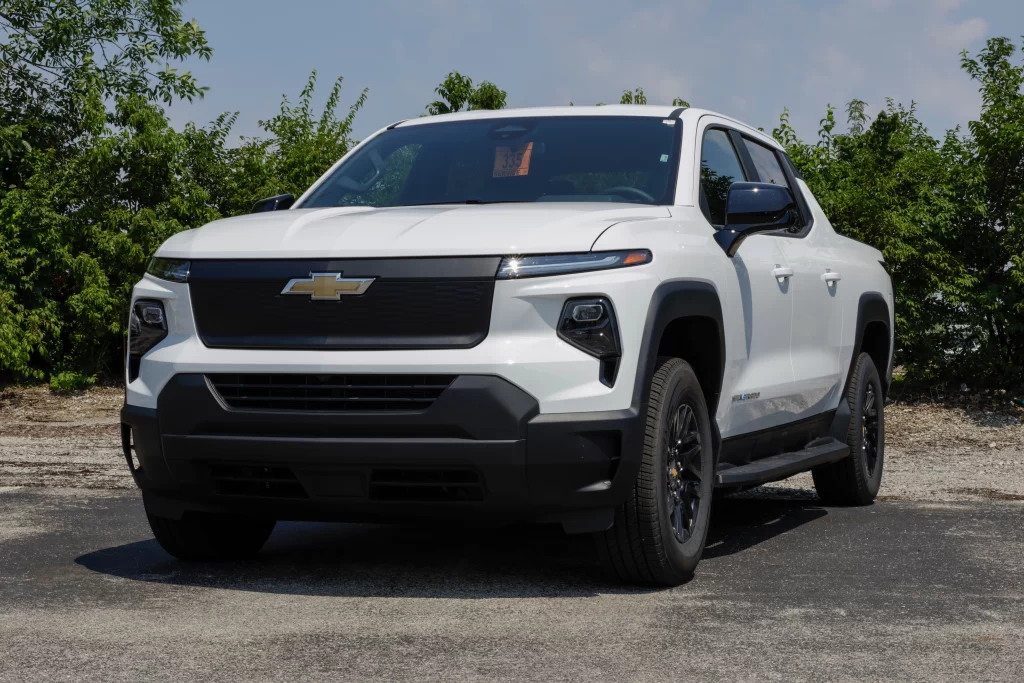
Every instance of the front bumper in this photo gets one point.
(481, 449)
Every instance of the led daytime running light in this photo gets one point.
(518, 267)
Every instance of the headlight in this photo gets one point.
(147, 327)
(173, 269)
(589, 325)
(514, 267)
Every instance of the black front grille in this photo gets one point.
(430, 303)
(330, 393)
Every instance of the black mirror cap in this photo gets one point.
(752, 208)
(277, 203)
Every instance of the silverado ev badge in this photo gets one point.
(327, 286)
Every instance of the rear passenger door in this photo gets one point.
(816, 291)
(763, 387)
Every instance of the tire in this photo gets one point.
(654, 540)
(855, 479)
(207, 536)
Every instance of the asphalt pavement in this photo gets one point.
(788, 591)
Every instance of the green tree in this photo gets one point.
(638, 97)
(635, 97)
(299, 147)
(61, 59)
(77, 233)
(457, 93)
(987, 235)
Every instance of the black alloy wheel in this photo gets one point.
(683, 472)
(869, 428)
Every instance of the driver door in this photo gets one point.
(763, 389)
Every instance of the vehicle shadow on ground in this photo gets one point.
(386, 561)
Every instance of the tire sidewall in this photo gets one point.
(683, 386)
(868, 375)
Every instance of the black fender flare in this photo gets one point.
(871, 307)
(671, 301)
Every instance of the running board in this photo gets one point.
(818, 452)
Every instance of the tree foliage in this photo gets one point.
(457, 93)
(95, 178)
(61, 59)
(637, 96)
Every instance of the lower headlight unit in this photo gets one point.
(147, 327)
(589, 325)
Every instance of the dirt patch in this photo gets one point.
(37, 411)
(959, 450)
(990, 494)
(72, 440)
(950, 427)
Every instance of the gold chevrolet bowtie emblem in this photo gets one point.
(327, 286)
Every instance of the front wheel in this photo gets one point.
(659, 532)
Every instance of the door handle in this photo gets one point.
(781, 273)
(830, 278)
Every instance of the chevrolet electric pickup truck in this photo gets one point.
(594, 316)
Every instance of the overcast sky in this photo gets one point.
(744, 58)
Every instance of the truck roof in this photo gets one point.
(592, 110)
(661, 110)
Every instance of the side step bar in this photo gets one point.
(818, 452)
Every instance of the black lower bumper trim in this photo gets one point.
(481, 449)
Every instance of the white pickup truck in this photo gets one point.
(587, 315)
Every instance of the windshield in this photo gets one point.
(555, 159)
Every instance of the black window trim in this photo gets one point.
(788, 170)
(744, 165)
(737, 137)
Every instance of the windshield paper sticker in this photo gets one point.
(512, 161)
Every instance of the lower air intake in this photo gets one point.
(451, 485)
(330, 393)
(255, 480)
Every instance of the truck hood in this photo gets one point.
(450, 230)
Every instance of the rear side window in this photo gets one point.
(719, 168)
(766, 163)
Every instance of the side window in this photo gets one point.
(766, 163)
(719, 168)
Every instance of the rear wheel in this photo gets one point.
(855, 479)
(659, 532)
(208, 536)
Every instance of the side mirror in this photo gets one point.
(278, 203)
(752, 208)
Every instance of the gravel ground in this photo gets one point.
(934, 451)
(67, 441)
